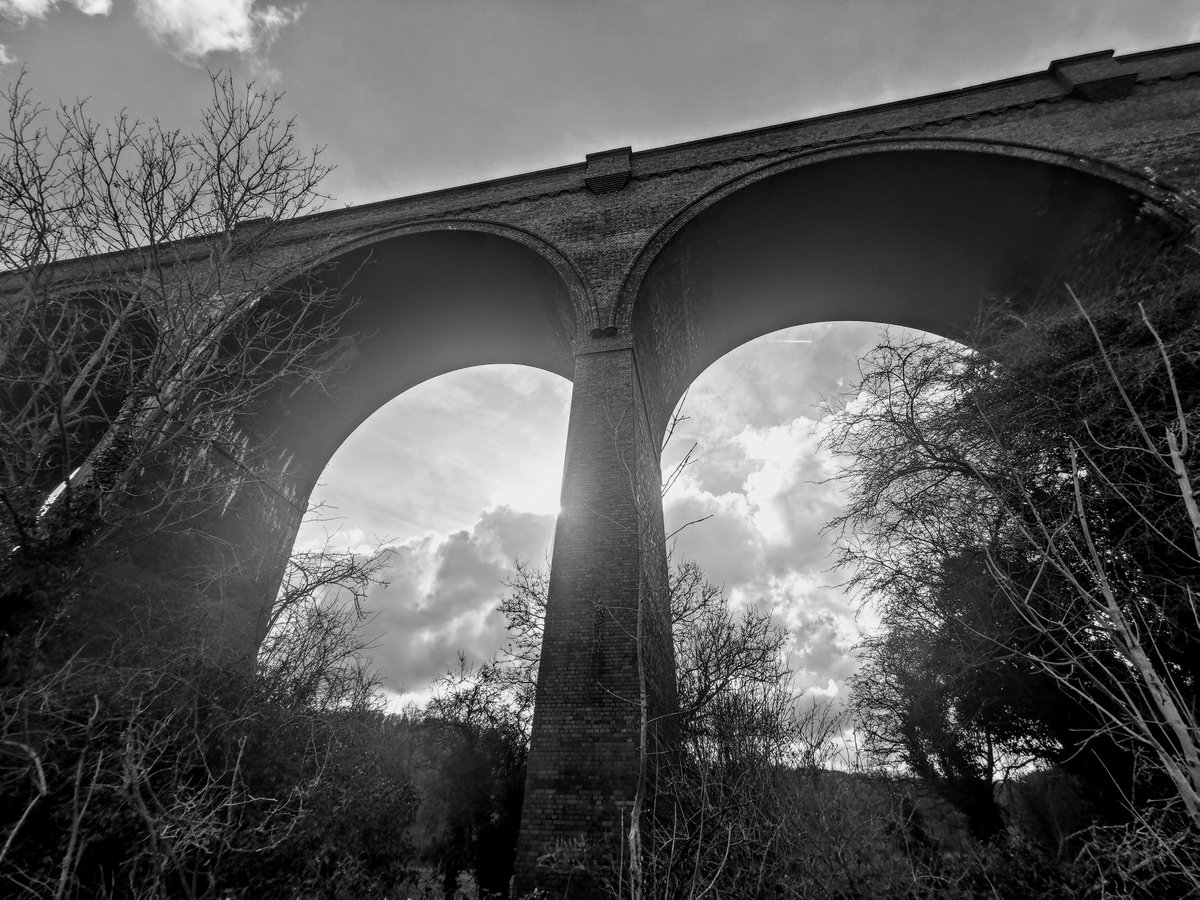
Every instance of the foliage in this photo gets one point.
(192, 778)
(472, 782)
(145, 309)
(1021, 514)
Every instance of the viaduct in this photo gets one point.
(629, 273)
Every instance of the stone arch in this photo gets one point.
(914, 232)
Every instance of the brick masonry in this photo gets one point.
(632, 271)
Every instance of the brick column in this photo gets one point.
(598, 685)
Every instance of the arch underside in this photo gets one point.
(912, 237)
(412, 307)
(422, 305)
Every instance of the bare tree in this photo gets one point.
(738, 724)
(147, 305)
(146, 308)
(1027, 514)
(1121, 668)
(315, 651)
(130, 257)
(177, 778)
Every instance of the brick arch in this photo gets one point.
(582, 299)
(424, 300)
(1166, 196)
(432, 297)
(914, 233)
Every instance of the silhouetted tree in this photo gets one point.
(142, 316)
(1022, 513)
(138, 321)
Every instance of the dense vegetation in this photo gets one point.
(1023, 515)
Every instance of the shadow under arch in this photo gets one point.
(413, 305)
(424, 301)
(912, 233)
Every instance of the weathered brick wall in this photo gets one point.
(584, 762)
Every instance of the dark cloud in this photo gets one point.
(442, 594)
(822, 649)
(726, 544)
(519, 535)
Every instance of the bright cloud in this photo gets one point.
(416, 477)
(788, 488)
(23, 10)
(431, 459)
(192, 29)
(763, 477)
(196, 28)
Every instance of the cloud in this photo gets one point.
(764, 545)
(194, 29)
(763, 476)
(431, 459)
(417, 475)
(824, 633)
(787, 489)
(5, 57)
(191, 29)
(441, 596)
(491, 438)
(22, 11)
(771, 498)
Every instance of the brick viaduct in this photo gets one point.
(633, 271)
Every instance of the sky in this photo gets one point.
(415, 95)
